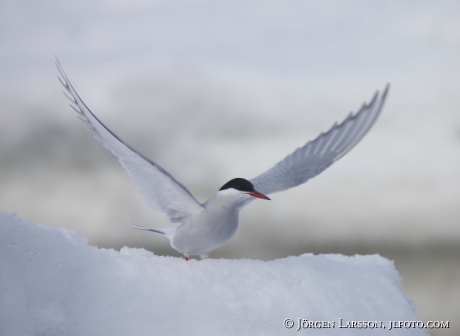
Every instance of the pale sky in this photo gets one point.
(214, 90)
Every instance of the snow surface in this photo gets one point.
(53, 283)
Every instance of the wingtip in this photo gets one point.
(386, 90)
(56, 61)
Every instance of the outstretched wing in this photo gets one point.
(310, 160)
(160, 190)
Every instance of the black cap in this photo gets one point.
(238, 184)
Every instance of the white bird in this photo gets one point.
(206, 226)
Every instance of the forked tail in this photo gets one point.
(167, 232)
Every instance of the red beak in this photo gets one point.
(257, 194)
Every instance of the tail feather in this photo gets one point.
(167, 232)
(146, 229)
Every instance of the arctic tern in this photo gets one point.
(206, 226)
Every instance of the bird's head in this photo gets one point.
(244, 187)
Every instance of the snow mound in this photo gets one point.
(53, 283)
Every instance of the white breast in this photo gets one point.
(210, 228)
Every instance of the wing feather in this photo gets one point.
(315, 156)
(159, 189)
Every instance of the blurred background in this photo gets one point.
(216, 90)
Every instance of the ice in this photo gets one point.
(53, 283)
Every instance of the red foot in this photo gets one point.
(186, 258)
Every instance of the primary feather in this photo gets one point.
(160, 190)
(315, 156)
